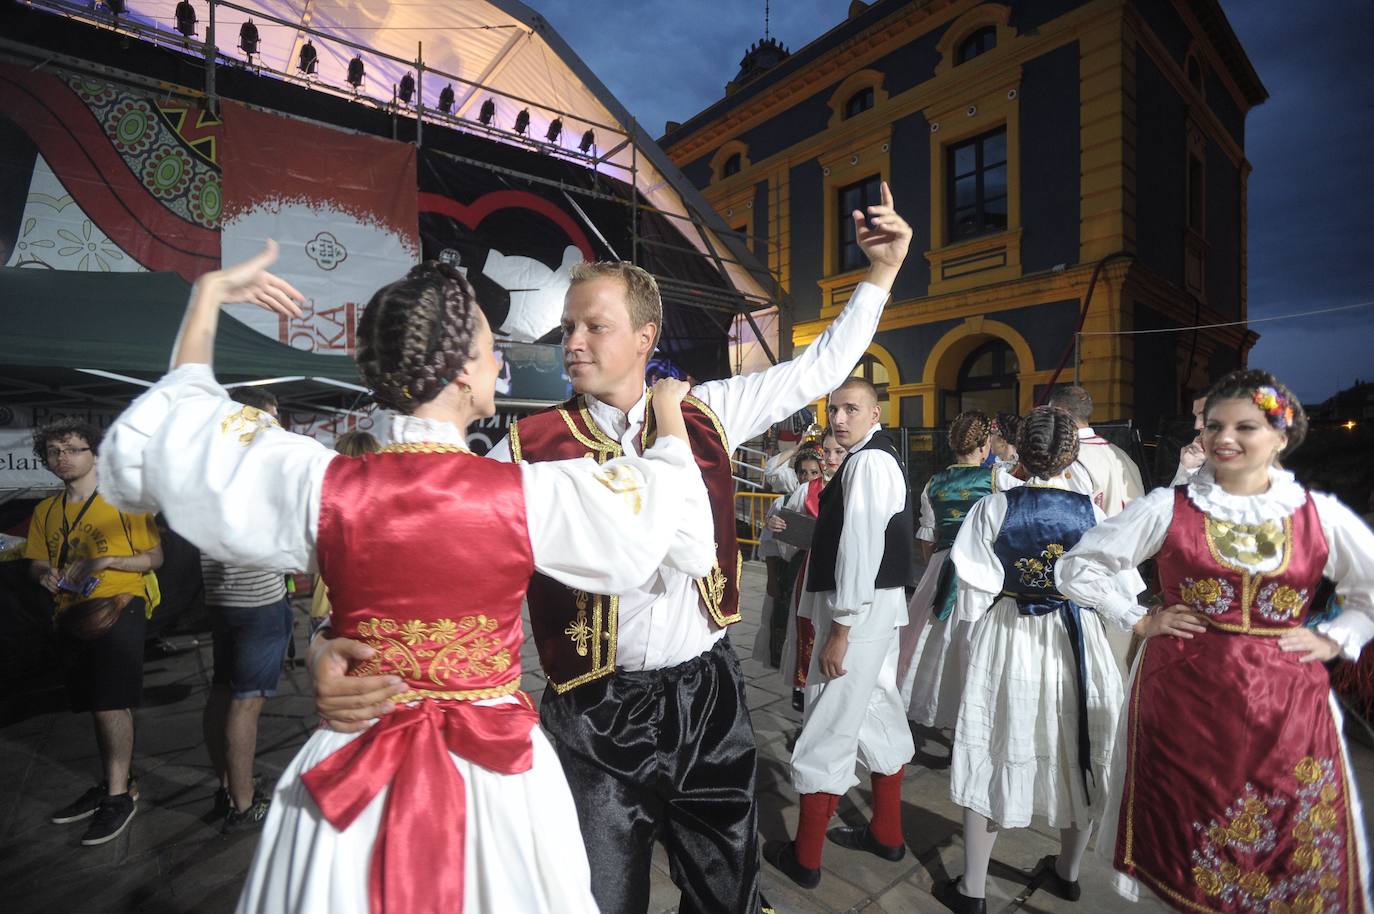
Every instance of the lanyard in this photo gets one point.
(67, 528)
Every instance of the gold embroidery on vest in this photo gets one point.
(608, 629)
(514, 437)
(246, 422)
(579, 631)
(425, 447)
(441, 651)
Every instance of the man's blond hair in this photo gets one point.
(642, 299)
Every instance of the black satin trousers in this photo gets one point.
(664, 754)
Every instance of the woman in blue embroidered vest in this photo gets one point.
(1232, 789)
(934, 651)
(1042, 695)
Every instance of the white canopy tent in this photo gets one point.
(486, 49)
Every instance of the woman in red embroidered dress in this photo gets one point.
(454, 801)
(1232, 790)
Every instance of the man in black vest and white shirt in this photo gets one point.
(855, 597)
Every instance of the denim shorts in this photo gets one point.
(250, 645)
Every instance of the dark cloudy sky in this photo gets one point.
(1311, 192)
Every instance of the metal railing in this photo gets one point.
(752, 508)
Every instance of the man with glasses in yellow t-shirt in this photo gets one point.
(82, 548)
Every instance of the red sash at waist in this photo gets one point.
(417, 860)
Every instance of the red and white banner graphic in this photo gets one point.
(342, 207)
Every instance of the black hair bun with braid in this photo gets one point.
(416, 334)
(969, 431)
(1047, 441)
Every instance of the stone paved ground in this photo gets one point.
(172, 858)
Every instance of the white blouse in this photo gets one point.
(980, 571)
(1138, 533)
(247, 492)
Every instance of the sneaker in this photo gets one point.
(250, 818)
(111, 818)
(84, 806)
(224, 803)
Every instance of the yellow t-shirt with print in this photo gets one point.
(101, 531)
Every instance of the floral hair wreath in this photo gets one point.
(1275, 406)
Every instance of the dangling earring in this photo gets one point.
(465, 389)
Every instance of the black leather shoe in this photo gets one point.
(1056, 884)
(783, 855)
(859, 838)
(948, 894)
(798, 700)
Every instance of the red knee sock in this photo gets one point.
(816, 810)
(886, 825)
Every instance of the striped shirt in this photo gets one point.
(227, 585)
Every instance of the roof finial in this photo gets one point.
(765, 20)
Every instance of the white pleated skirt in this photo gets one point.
(933, 658)
(524, 853)
(1016, 738)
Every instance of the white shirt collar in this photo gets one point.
(414, 430)
(613, 420)
(1086, 432)
(1284, 497)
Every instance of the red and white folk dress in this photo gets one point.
(1232, 790)
(455, 801)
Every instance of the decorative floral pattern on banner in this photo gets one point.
(149, 135)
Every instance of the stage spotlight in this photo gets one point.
(308, 60)
(186, 19)
(248, 39)
(355, 73)
(522, 121)
(588, 141)
(446, 99)
(555, 129)
(407, 90)
(488, 113)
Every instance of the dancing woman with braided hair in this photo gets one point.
(453, 800)
(1232, 789)
(1042, 694)
(934, 647)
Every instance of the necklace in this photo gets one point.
(1248, 544)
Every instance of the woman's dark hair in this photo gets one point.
(1008, 425)
(60, 429)
(1047, 441)
(1243, 384)
(808, 452)
(969, 431)
(416, 334)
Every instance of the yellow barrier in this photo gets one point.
(754, 506)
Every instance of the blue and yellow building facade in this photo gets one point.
(1030, 144)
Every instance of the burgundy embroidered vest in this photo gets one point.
(1193, 571)
(427, 557)
(576, 631)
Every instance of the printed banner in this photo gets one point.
(105, 178)
(19, 468)
(340, 205)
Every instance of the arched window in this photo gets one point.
(987, 381)
(859, 102)
(979, 42)
(731, 166)
(875, 372)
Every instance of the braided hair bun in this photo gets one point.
(969, 431)
(416, 334)
(1047, 441)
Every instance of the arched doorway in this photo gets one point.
(986, 381)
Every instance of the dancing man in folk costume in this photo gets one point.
(454, 801)
(854, 594)
(1232, 789)
(645, 704)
